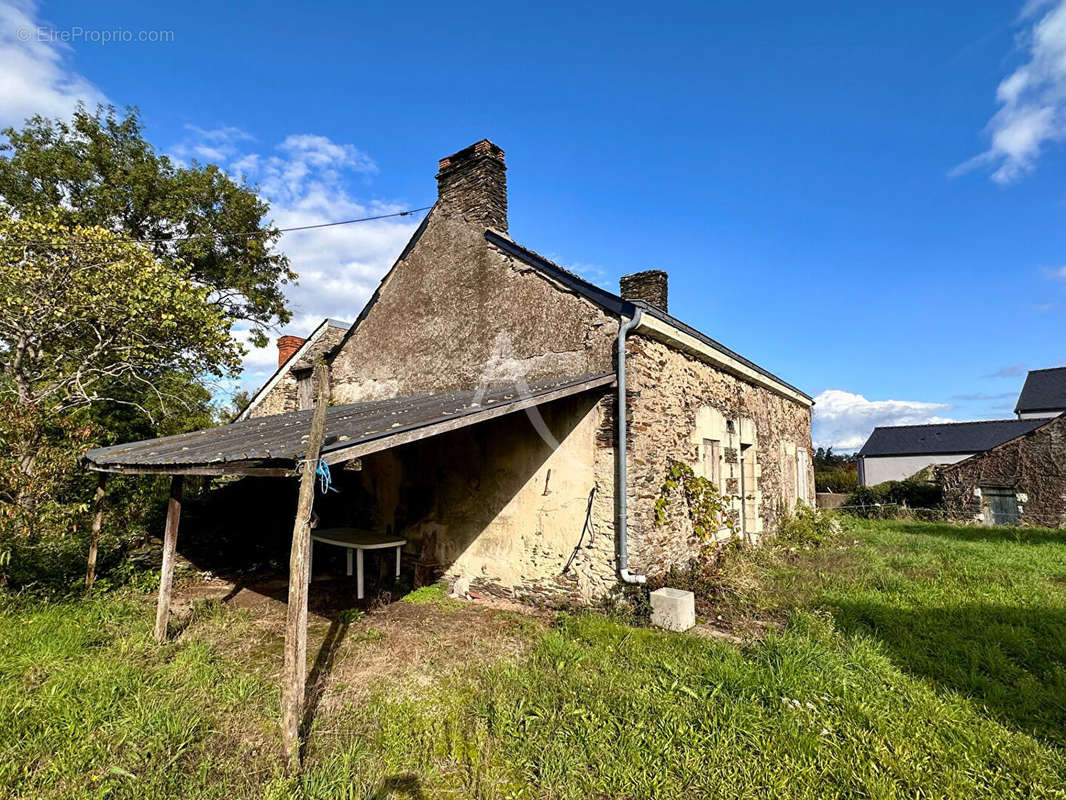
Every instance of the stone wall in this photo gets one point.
(498, 505)
(283, 397)
(1034, 466)
(676, 403)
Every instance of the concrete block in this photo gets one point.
(673, 609)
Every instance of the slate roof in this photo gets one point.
(1044, 390)
(616, 305)
(355, 429)
(952, 438)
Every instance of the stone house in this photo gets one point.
(473, 410)
(1018, 482)
(296, 358)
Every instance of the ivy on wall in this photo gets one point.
(707, 509)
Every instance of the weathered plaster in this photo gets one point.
(503, 509)
(455, 312)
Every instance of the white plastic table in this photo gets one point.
(354, 539)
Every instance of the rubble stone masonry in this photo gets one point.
(284, 396)
(678, 405)
(1033, 466)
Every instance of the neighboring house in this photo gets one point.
(289, 388)
(1022, 481)
(469, 328)
(1043, 395)
(898, 452)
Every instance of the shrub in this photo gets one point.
(909, 493)
(841, 479)
(808, 526)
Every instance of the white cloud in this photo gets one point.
(307, 179)
(844, 420)
(36, 77)
(1032, 99)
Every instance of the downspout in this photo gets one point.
(620, 456)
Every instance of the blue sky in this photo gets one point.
(867, 199)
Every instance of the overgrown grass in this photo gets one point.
(915, 660)
(90, 707)
(975, 611)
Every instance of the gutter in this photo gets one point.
(620, 456)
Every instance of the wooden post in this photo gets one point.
(166, 574)
(94, 540)
(295, 675)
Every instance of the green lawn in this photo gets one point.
(907, 660)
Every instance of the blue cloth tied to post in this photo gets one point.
(325, 479)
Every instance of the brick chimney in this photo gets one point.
(287, 345)
(473, 184)
(649, 286)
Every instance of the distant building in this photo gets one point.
(1019, 482)
(897, 452)
(283, 391)
(1043, 395)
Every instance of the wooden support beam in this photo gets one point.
(94, 539)
(294, 679)
(166, 574)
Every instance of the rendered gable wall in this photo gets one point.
(455, 312)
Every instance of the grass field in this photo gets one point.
(902, 660)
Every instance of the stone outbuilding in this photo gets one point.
(1018, 482)
(296, 357)
(474, 413)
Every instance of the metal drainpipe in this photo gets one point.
(620, 455)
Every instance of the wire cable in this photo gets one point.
(188, 237)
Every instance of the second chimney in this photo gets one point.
(649, 286)
(287, 346)
(473, 184)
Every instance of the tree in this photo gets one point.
(90, 318)
(98, 171)
(241, 400)
(835, 473)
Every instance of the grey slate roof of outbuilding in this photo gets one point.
(355, 429)
(1044, 390)
(949, 438)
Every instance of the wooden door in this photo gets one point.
(1000, 506)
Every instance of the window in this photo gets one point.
(305, 392)
(748, 501)
(712, 461)
(803, 475)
